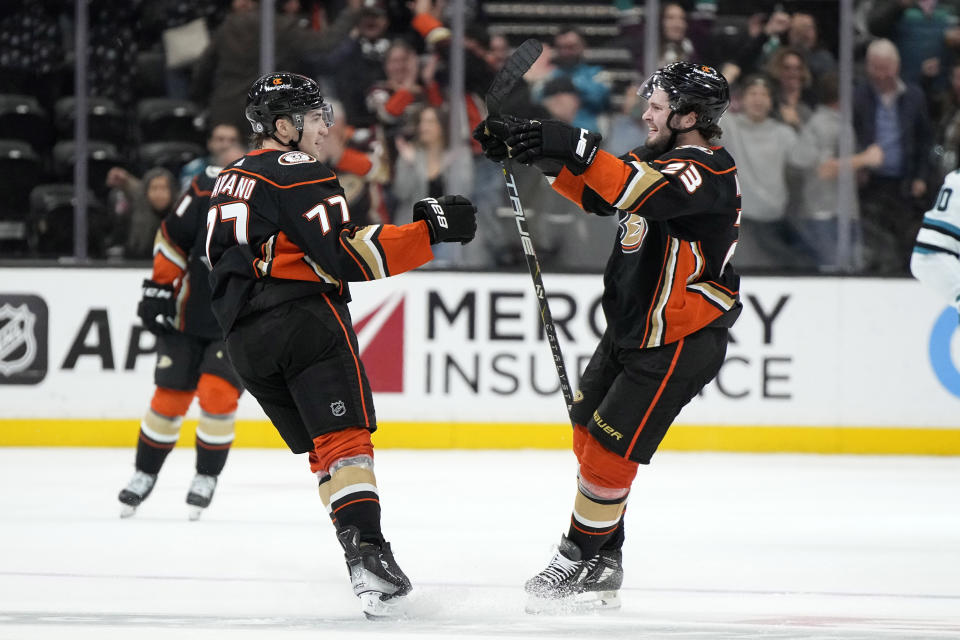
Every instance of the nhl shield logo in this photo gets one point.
(18, 343)
(23, 333)
(338, 408)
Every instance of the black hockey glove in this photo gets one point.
(493, 147)
(157, 308)
(534, 140)
(449, 218)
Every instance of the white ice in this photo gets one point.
(719, 546)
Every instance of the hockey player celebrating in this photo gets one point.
(283, 249)
(936, 254)
(191, 356)
(670, 297)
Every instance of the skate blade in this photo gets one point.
(579, 603)
(127, 510)
(376, 609)
(194, 513)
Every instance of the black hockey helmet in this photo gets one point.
(691, 87)
(284, 94)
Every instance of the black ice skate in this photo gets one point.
(136, 491)
(200, 494)
(572, 584)
(377, 579)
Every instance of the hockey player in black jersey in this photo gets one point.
(191, 356)
(670, 296)
(283, 248)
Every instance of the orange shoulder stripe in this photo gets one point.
(280, 186)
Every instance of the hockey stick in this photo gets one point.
(506, 79)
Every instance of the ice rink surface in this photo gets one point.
(719, 546)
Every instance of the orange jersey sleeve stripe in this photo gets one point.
(288, 262)
(405, 247)
(608, 176)
(569, 186)
(164, 270)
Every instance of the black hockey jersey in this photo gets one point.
(279, 228)
(179, 257)
(679, 217)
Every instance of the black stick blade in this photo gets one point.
(506, 79)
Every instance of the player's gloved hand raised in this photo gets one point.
(493, 147)
(534, 140)
(157, 308)
(449, 218)
(491, 133)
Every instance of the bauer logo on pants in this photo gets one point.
(23, 339)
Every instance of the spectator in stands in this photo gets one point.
(945, 114)
(426, 166)
(357, 64)
(764, 149)
(674, 43)
(498, 51)
(230, 63)
(924, 32)
(766, 33)
(627, 126)
(569, 47)
(145, 203)
(893, 114)
(803, 36)
(561, 99)
(792, 105)
(400, 94)
(818, 219)
(222, 136)
(156, 17)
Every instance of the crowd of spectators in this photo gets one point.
(384, 64)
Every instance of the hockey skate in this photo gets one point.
(136, 491)
(570, 584)
(377, 580)
(200, 494)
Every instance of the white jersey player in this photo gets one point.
(936, 254)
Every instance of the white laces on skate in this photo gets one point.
(560, 569)
(203, 486)
(141, 483)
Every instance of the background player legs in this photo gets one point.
(159, 431)
(215, 434)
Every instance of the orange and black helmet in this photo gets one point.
(284, 94)
(691, 87)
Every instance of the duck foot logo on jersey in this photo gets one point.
(23, 339)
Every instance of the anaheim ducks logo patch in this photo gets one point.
(295, 157)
